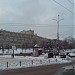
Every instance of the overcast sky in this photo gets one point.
(37, 15)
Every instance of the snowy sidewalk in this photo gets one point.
(6, 62)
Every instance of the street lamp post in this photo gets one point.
(58, 20)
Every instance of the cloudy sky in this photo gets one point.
(37, 15)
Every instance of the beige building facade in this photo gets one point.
(21, 39)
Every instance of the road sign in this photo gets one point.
(13, 47)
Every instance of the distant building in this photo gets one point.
(21, 39)
(30, 32)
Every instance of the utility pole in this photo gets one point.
(58, 20)
(58, 33)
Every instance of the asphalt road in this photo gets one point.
(41, 70)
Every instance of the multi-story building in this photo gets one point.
(21, 39)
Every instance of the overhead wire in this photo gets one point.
(63, 6)
(39, 25)
(71, 2)
(35, 25)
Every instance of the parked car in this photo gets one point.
(62, 55)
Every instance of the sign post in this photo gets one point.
(13, 48)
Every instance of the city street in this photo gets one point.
(42, 70)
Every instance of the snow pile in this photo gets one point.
(72, 54)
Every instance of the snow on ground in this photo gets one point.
(6, 62)
(10, 51)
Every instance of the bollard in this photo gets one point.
(49, 60)
(7, 64)
(20, 63)
(62, 59)
(32, 62)
(40, 61)
(56, 59)
(68, 59)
